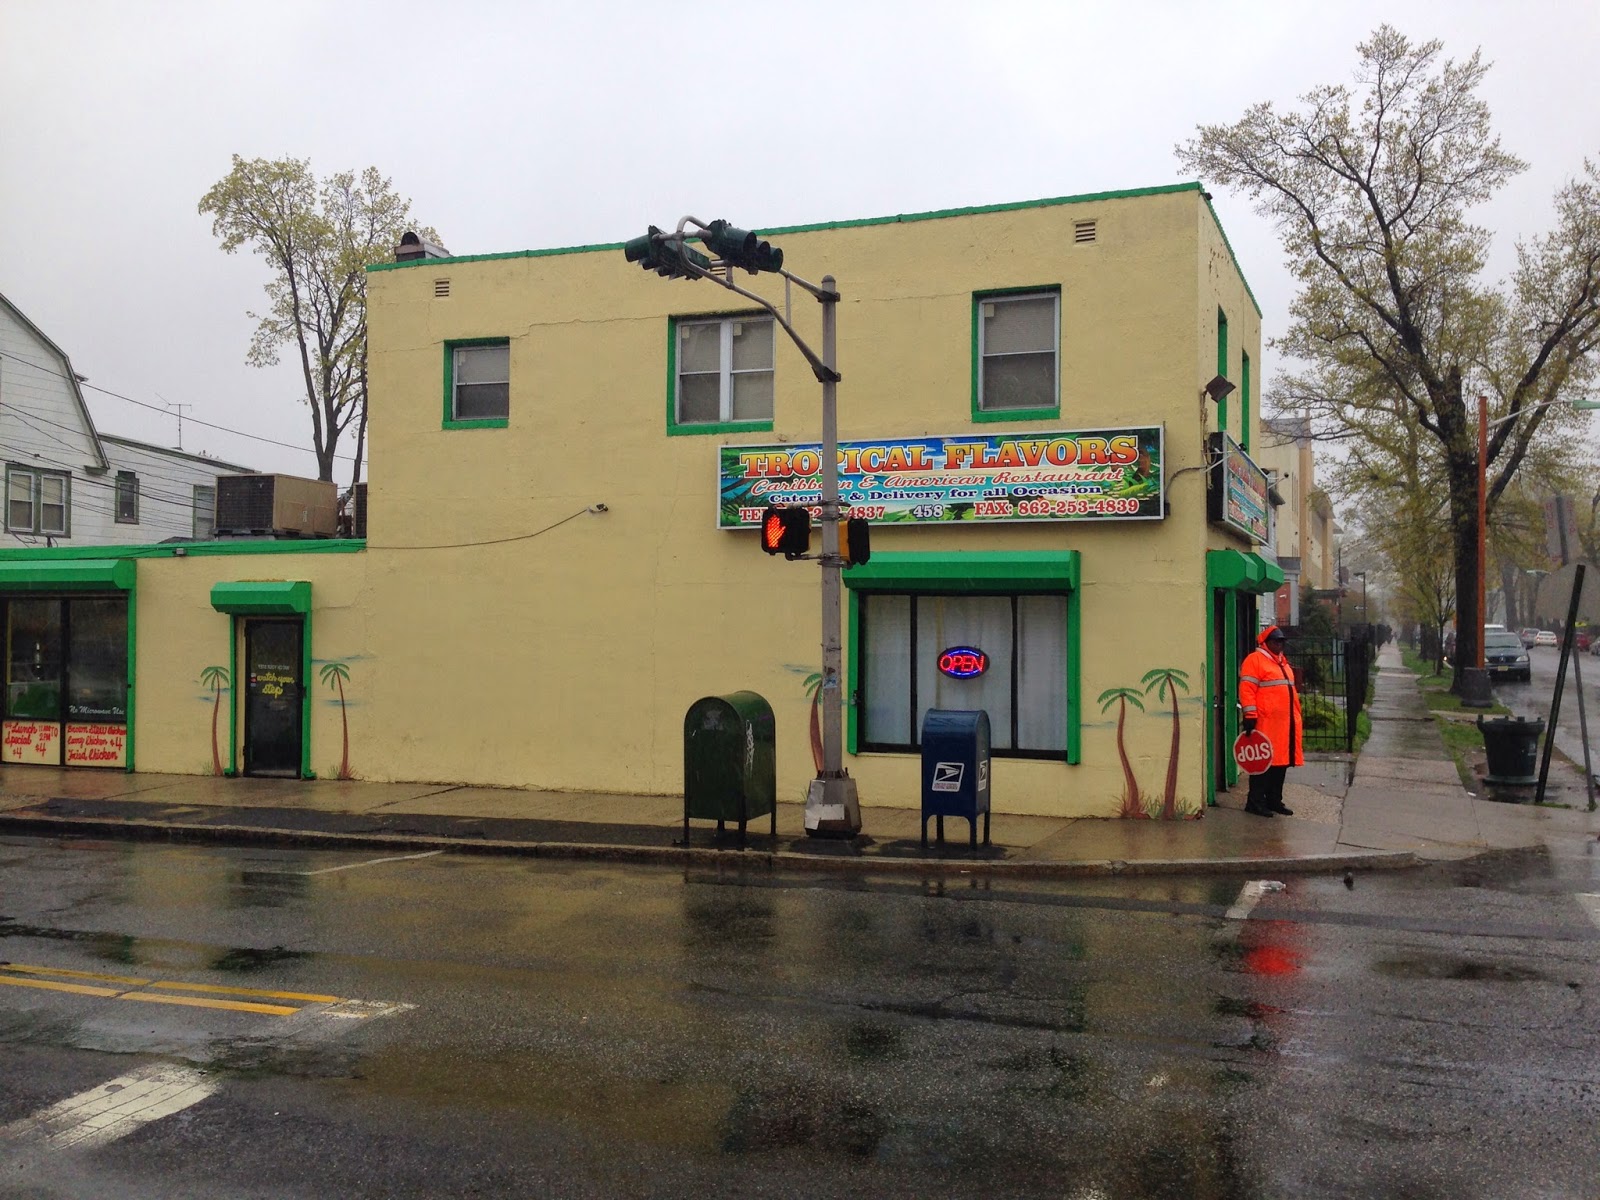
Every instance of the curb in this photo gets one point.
(703, 856)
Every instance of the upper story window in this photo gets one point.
(205, 512)
(477, 383)
(37, 501)
(127, 498)
(1017, 344)
(722, 374)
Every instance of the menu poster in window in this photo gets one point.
(97, 746)
(36, 742)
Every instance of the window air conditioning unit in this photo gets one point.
(275, 506)
(360, 530)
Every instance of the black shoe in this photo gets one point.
(1282, 809)
(1256, 810)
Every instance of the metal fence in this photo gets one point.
(1332, 674)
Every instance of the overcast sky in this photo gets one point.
(524, 125)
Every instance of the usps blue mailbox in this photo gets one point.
(955, 769)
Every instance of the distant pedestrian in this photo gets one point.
(1271, 702)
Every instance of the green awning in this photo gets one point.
(1232, 571)
(1272, 576)
(68, 575)
(967, 571)
(262, 598)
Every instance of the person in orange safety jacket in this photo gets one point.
(1270, 700)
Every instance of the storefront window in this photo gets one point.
(1023, 684)
(33, 659)
(97, 660)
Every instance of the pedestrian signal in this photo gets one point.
(786, 530)
(854, 541)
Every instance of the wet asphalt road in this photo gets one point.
(499, 1028)
(1532, 699)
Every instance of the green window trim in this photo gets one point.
(675, 428)
(1244, 402)
(450, 420)
(977, 572)
(981, 415)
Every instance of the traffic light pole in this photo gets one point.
(832, 807)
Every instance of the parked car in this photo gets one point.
(1546, 638)
(1582, 639)
(1505, 657)
(1528, 635)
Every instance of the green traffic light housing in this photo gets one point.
(742, 248)
(665, 255)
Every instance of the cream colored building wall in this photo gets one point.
(567, 658)
(179, 635)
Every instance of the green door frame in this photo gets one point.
(275, 598)
(1234, 576)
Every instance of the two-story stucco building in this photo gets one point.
(1045, 412)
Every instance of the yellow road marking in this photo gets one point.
(52, 986)
(238, 991)
(276, 1010)
(72, 974)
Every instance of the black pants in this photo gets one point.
(1266, 789)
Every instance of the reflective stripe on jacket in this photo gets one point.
(1267, 692)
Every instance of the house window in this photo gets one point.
(205, 511)
(722, 374)
(1024, 688)
(127, 498)
(477, 384)
(37, 501)
(1016, 345)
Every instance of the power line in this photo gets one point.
(350, 458)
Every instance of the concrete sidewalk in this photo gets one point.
(1404, 805)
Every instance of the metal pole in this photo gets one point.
(1583, 727)
(1561, 678)
(832, 809)
(1483, 523)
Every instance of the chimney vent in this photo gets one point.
(413, 247)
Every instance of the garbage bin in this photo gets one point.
(730, 766)
(955, 770)
(1511, 745)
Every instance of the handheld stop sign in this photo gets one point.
(1253, 752)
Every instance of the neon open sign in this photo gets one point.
(963, 662)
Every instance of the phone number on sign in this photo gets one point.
(1058, 506)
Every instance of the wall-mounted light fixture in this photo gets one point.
(1219, 388)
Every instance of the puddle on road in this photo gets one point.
(158, 953)
(1463, 969)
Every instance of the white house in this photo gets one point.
(67, 483)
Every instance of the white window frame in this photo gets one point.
(1054, 402)
(130, 479)
(210, 530)
(725, 371)
(36, 479)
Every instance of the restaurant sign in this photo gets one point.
(1074, 475)
(1238, 492)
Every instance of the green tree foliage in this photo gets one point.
(1396, 329)
(317, 236)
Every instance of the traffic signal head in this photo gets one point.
(854, 541)
(786, 531)
(664, 254)
(742, 248)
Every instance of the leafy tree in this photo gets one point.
(1370, 188)
(318, 236)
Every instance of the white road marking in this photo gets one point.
(1250, 895)
(115, 1109)
(371, 862)
(1591, 905)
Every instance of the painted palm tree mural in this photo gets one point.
(215, 678)
(334, 675)
(1132, 804)
(813, 686)
(1165, 682)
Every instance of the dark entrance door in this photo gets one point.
(272, 694)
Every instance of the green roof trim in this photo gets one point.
(968, 571)
(73, 575)
(262, 598)
(897, 219)
(184, 549)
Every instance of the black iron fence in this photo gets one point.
(1332, 674)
